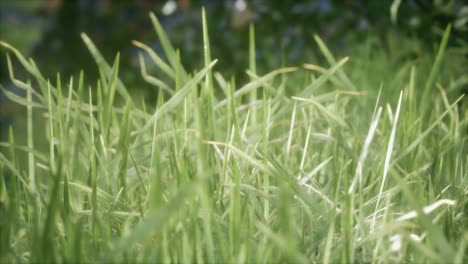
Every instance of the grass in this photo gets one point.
(308, 164)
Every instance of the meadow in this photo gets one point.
(360, 160)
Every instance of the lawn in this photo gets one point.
(361, 159)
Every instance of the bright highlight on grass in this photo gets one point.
(297, 165)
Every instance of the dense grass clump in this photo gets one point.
(363, 160)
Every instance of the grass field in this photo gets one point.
(360, 160)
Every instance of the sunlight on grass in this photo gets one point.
(297, 165)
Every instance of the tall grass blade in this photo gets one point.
(104, 66)
(437, 64)
(156, 59)
(180, 95)
(388, 156)
(332, 61)
(167, 47)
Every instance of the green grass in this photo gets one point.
(360, 160)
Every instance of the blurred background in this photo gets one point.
(49, 32)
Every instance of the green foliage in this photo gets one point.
(298, 165)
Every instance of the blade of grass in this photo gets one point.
(209, 89)
(104, 66)
(179, 96)
(152, 80)
(167, 47)
(109, 100)
(331, 60)
(156, 59)
(388, 156)
(30, 133)
(256, 84)
(436, 66)
(252, 69)
(307, 91)
(323, 110)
